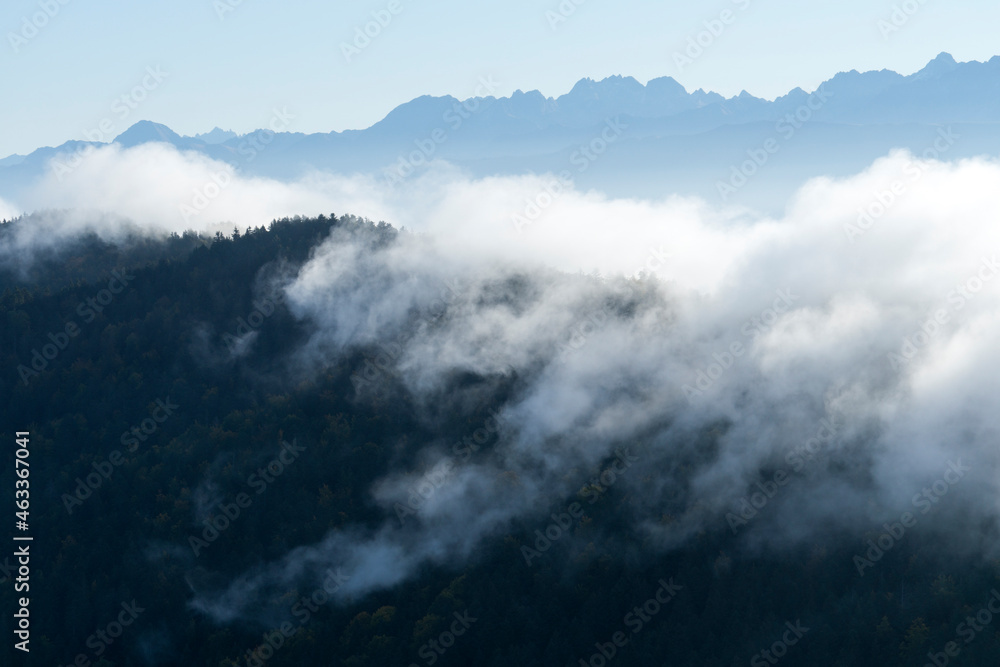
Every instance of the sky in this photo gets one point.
(66, 64)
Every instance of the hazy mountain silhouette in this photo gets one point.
(673, 141)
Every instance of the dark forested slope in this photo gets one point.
(130, 365)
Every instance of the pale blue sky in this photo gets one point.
(231, 72)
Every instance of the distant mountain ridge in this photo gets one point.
(528, 132)
(216, 136)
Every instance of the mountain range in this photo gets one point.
(666, 140)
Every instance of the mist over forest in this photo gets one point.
(638, 374)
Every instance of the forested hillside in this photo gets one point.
(180, 442)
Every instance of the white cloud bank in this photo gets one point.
(867, 314)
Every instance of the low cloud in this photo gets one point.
(870, 308)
